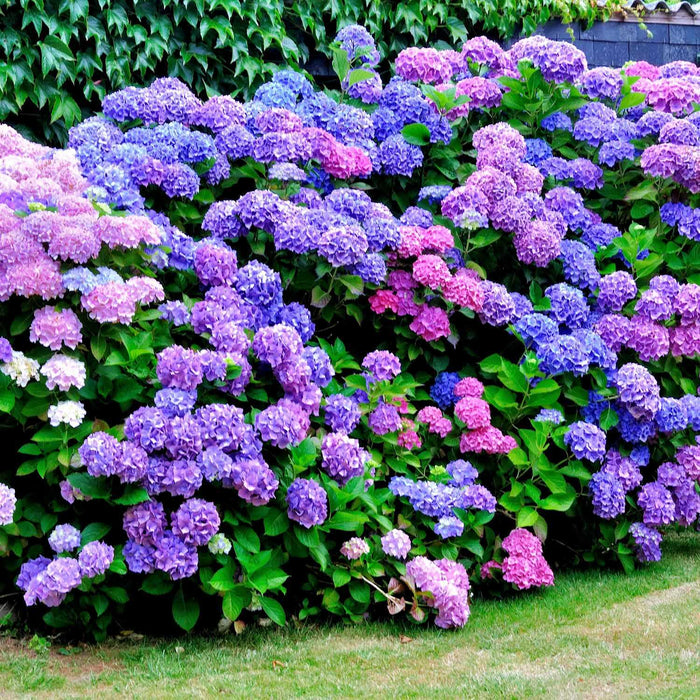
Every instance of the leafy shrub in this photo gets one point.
(59, 58)
(360, 289)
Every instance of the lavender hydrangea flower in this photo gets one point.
(95, 558)
(343, 458)
(657, 503)
(396, 543)
(196, 521)
(342, 413)
(449, 526)
(64, 538)
(8, 501)
(462, 473)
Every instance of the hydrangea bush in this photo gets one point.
(351, 350)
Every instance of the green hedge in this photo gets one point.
(58, 58)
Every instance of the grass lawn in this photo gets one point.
(593, 634)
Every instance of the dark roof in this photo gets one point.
(692, 8)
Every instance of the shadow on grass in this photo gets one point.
(595, 632)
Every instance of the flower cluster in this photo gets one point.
(447, 583)
(49, 581)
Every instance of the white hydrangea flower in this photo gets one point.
(69, 412)
(21, 369)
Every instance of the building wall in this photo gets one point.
(612, 43)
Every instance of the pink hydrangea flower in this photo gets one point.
(53, 329)
(473, 412)
(431, 271)
(469, 386)
(354, 548)
(431, 323)
(464, 290)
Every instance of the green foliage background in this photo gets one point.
(58, 58)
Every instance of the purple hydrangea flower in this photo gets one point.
(449, 526)
(196, 521)
(647, 542)
(608, 495)
(657, 503)
(307, 502)
(343, 458)
(95, 558)
(8, 501)
(342, 413)
(586, 441)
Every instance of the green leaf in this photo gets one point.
(266, 579)
(235, 600)
(7, 401)
(416, 134)
(223, 579)
(608, 419)
(359, 590)
(132, 495)
(491, 364)
(89, 485)
(347, 520)
(100, 603)
(340, 62)
(94, 531)
(248, 538)
(185, 611)
(304, 454)
(157, 584)
(631, 99)
(527, 517)
(341, 577)
(358, 75)
(558, 501)
(276, 523)
(556, 483)
(117, 594)
(307, 537)
(59, 47)
(512, 377)
(274, 611)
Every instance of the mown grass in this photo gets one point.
(594, 634)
